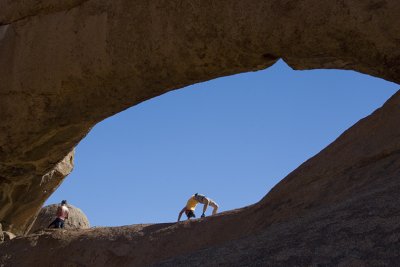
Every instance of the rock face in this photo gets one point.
(77, 219)
(4, 235)
(1, 234)
(12, 11)
(66, 65)
(20, 199)
(8, 236)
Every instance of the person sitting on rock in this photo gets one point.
(192, 203)
(62, 215)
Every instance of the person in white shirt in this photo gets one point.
(62, 215)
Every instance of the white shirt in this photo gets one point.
(64, 212)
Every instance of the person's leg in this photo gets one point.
(58, 223)
(214, 206)
(187, 215)
(53, 223)
(61, 223)
(190, 214)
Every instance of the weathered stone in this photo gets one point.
(77, 219)
(12, 11)
(21, 199)
(8, 236)
(1, 234)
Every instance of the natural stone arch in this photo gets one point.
(66, 66)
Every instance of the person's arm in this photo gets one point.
(206, 202)
(180, 213)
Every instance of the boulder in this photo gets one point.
(77, 219)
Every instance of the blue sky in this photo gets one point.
(232, 139)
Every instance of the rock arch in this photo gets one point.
(65, 66)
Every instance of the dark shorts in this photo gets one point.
(190, 214)
(57, 223)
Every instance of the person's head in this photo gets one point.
(64, 202)
(196, 194)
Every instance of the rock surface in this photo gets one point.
(77, 219)
(21, 198)
(1, 234)
(8, 236)
(12, 11)
(66, 65)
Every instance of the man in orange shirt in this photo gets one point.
(192, 203)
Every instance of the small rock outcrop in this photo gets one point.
(5, 235)
(8, 236)
(1, 234)
(77, 219)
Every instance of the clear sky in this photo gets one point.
(232, 139)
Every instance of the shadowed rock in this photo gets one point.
(1, 234)
(21, 197)
(8, 236)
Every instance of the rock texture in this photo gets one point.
(1, 234)
(21, 196)
(8, 236)
(66, 65)
(77, 219)
(12, 11)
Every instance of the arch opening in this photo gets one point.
(232, 138)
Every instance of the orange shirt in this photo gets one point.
(191, 203)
